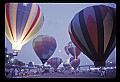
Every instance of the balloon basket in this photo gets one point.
(15, 53)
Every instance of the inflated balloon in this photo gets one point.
(73, 50)
(55, 62)
(71, 58)
(93, 31)
(44, 46)
(75, 63)
(22, 22)
(66, 50)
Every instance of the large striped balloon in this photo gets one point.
(93, 31)
(22, 22)
(44, 46)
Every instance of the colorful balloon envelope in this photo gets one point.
(44, 46)
(73, 50)
(75, 63)
(22, 22)
(93, 31)
(66, 50)
(55, 62)
(71, 58)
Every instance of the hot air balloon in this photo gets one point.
(66, 50)
(44, 46)
(22, 22)
(93, 31)
(75, 63)
(71, 58)
(55, 62)
(73, 50)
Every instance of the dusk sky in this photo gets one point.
(57, 18)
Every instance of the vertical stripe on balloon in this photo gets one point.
(90, 21)
(79, 42)
(100, 29)
(108, 27)
(86, 35)
(73, 39)
(37, 28)
(36, 17)
(76, 24)
(8, 20)
(14, 20)
(92, 30)
(112, 41)
(8, 34)
(30, 20)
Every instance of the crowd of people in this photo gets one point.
(26, 72)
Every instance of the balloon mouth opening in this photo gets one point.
(16, 46)
(99, 63)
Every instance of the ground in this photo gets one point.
(69, 75)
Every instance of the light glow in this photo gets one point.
(25, 4)
(110, 62)
(7, 56)
(17, 45)
(12, 59)
(59, 50)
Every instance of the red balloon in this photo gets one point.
(55, 62)
(75, 63)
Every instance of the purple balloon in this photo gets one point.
(75, 63)
(72, 58)
(55, 62)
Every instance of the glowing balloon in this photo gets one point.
(22, 22)
(55, 62)
(44, 46)
(93, 31)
